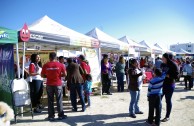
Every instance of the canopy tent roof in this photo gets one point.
(49, 34)
(182, 51)
(8, 36)
(164, 49)
(107, 41)
(133, 44)
(154, 49)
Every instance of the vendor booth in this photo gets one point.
(108, 43)
(133, 46)
(47, 34)
(147, 51)
(7, 39)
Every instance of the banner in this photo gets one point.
(6, 72)
(93, 59)
(8, 36)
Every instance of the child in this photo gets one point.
(88, 87)
(154, 96)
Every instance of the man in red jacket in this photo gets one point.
(53, 71)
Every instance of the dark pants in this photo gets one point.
(74, 90)
(168, 96)
(36, 90)
(58, 92)
(154, 103)
(188, 78)
(120, 82)
(106, 83)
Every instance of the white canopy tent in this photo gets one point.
(133, 44)
(146, 52)
(49, 34)
(165, 50)
(182, 51)
(108, 43)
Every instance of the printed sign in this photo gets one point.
(24, 33)
(6, 72)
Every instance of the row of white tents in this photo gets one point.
(48, 34)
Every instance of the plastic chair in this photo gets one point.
(20, 96)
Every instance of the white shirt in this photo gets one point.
(140, 79)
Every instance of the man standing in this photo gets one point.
(62, 61)
(53, 71)
(158, 63)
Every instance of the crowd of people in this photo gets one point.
(165, 71)
(61, 73)
(76, 76)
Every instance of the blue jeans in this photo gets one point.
(74, 90)
(36, 90)
(120, 82)
(89, 102)
(168, 95)
(134, 107)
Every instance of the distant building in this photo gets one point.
(189, 47)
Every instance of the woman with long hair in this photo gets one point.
(120, 73)
(169, 83)
(106, 74)
(36, 83)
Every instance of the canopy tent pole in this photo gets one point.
(99, 57)
(18, 64)
(24, 58)
(23, 63)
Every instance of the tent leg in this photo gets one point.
(17, 57)
(99, 57)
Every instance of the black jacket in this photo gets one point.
(172, 72)
(133, 79)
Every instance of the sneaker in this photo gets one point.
(132, 115)
(41, 106)
(51, 119)
(109, 93)
(165, 119)
(83, 110)
(148, 123)
(62, 117)
(36, 110)
(140, 112)
(74, 110)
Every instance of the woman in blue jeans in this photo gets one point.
(120, 72)
(135, 84)
(171, 70)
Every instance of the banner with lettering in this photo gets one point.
(8, 36)
(6, 72)
(93, 59)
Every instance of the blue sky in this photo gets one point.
(163, 21)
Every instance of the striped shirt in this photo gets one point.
(155, 85)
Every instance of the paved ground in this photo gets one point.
(113, 111)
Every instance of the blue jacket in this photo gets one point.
(88, 86)
(155, 85)
(188, 68)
